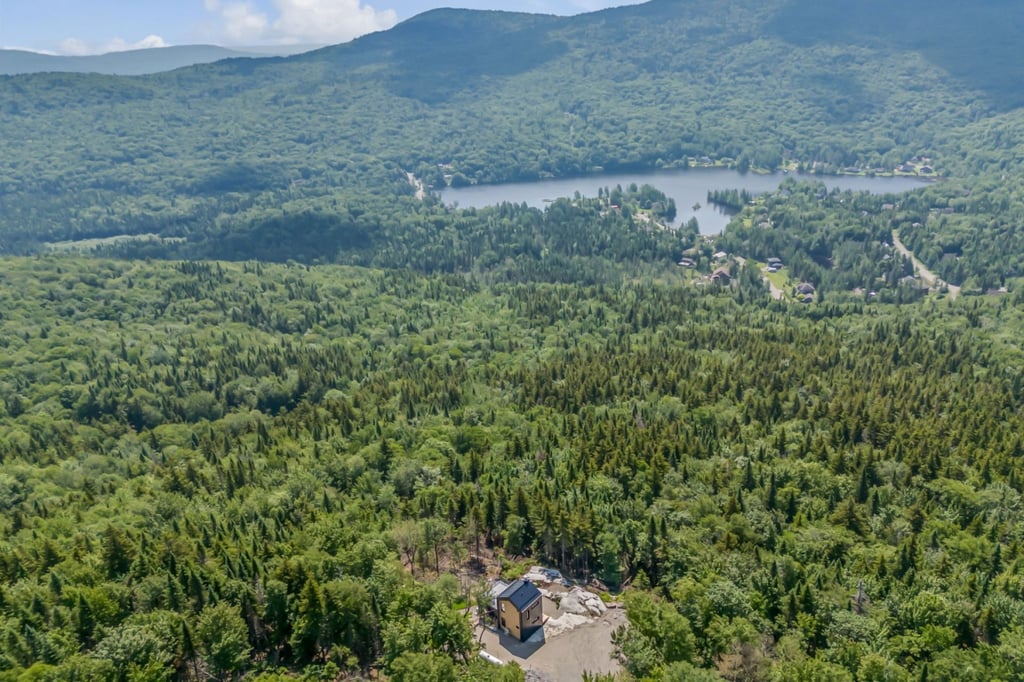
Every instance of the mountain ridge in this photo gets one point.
(475, 96)
(129, 62)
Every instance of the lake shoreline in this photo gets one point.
(688, 187)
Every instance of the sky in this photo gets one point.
(78, 27)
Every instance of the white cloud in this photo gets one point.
(299, 21)
(77, 48)
(594, 5)
(74, 47)
(329, 20)
(118, 45)
(242, 22)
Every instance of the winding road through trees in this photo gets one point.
(927, 276)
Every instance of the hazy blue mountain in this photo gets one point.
(134, 62)
(275, 50)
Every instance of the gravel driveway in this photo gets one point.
(565, 657)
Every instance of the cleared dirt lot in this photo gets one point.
(563, 657)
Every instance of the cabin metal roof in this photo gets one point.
(521, 594)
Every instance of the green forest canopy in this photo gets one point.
(254, 467)
(212, 149)
(245, 469)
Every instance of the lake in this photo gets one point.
(688, 187)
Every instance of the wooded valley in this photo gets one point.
(288, 426)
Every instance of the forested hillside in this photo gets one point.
(486, 96)
(246, 467)
(217, 466)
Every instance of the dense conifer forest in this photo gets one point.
(255, 468)
(290, 420)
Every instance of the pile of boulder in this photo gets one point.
(582, 603)
(539, 575)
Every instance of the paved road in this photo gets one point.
(927, 276)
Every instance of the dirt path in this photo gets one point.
(927, 276)
(777, 293)
(421, 191)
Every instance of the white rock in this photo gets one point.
(581, 602)
(571, 603)
(564, 623)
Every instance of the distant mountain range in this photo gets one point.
(136, 62)
(458, 97)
